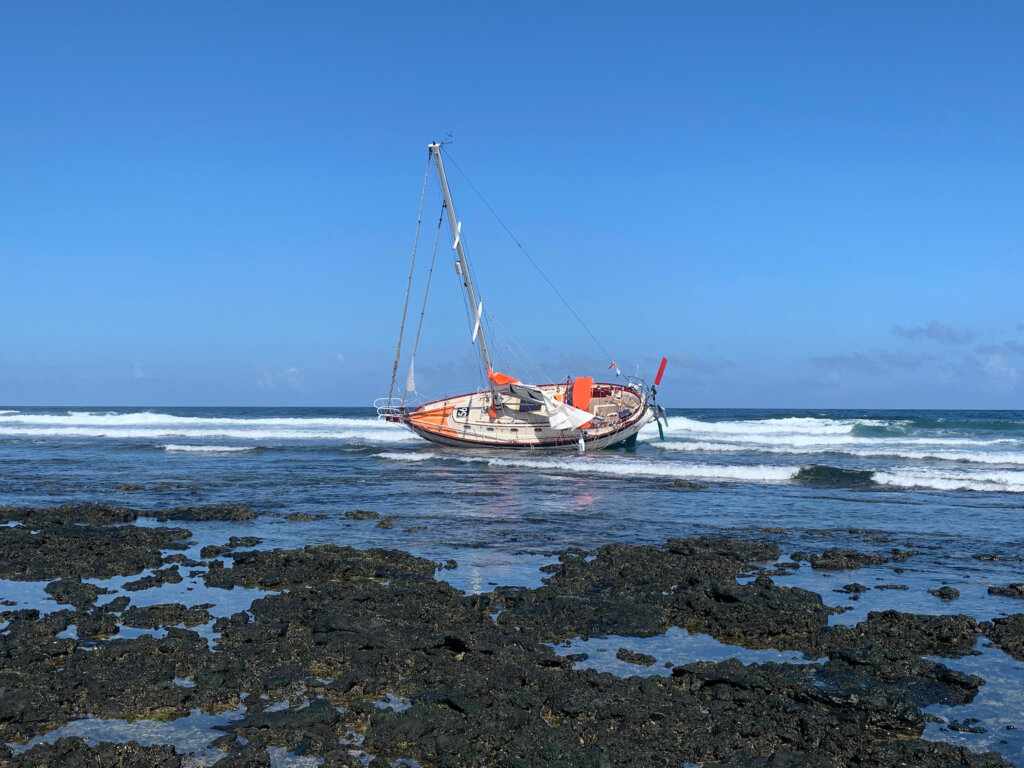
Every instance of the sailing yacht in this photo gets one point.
(577, 413)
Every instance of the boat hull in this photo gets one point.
(497, 420)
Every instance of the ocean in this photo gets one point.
(946, 485)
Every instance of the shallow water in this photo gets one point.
(948, 486)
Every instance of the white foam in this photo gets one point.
(952, 479)
(793, 425)
(618, 467)
(408, 456)
(881, 450)
(154, 425)
(208, 448)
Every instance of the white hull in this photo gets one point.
(470, 421)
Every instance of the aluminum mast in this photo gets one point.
(463, 265)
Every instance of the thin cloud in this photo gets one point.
(1001, 373)
(937, 332)
(693, 363)
(1006, 348)
(870, 363)
(291, 378)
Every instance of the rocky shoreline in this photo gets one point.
(367, 657)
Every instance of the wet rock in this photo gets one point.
(159, 577)
(968, 725)
(1007, 634)
(245, 756)
(244, 541)
(304, 517)
(84, 551)
(361, 514)
(165, 615)
(628, 656)
(1010, 590)
(129, 487)
(689, 485)
(952, 636)
(839, 559)
(386, 522)
(350, 632)
(892, 586)
(75, 753)
(68, 514)
(236, 512)
(74, 592)
(277, 569)
(852, 589)
(945, 592)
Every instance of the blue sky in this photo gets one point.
(800, 204)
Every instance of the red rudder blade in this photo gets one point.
(661, 371)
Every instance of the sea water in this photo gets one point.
(947, 484)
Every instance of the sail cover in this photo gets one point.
(562, 416)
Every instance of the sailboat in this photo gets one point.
(577, 413)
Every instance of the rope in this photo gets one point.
(530, 258)
(426, 291)
(408, 287)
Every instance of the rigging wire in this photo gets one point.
(423, 309)
(529, 257)
(408, 287)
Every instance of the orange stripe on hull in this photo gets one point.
(434, 421)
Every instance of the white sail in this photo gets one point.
(562, 416)
(476, 326)
(410, 381)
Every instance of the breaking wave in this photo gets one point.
(155, 425)
(208, 448)
(615, 467)
(951, 480)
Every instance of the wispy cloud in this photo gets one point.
(1006, 348)
(1001, 374)
(291, 378)
(875, 363)
(697, 364)
(936, 331)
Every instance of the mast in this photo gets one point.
(462, 265)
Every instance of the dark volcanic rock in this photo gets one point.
(945, 592)
(852, 589)
(277, 569)
(1007, 634)
(209, 512)
(838, 559)
(68, 514)
(84, 551)
(74, 592)
(367, 644)
(630, 657)
(75, 753)
(304, 517)
(361, 514)
(165, 615)
(106, 514)
(1010, 590)
(168, 575)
